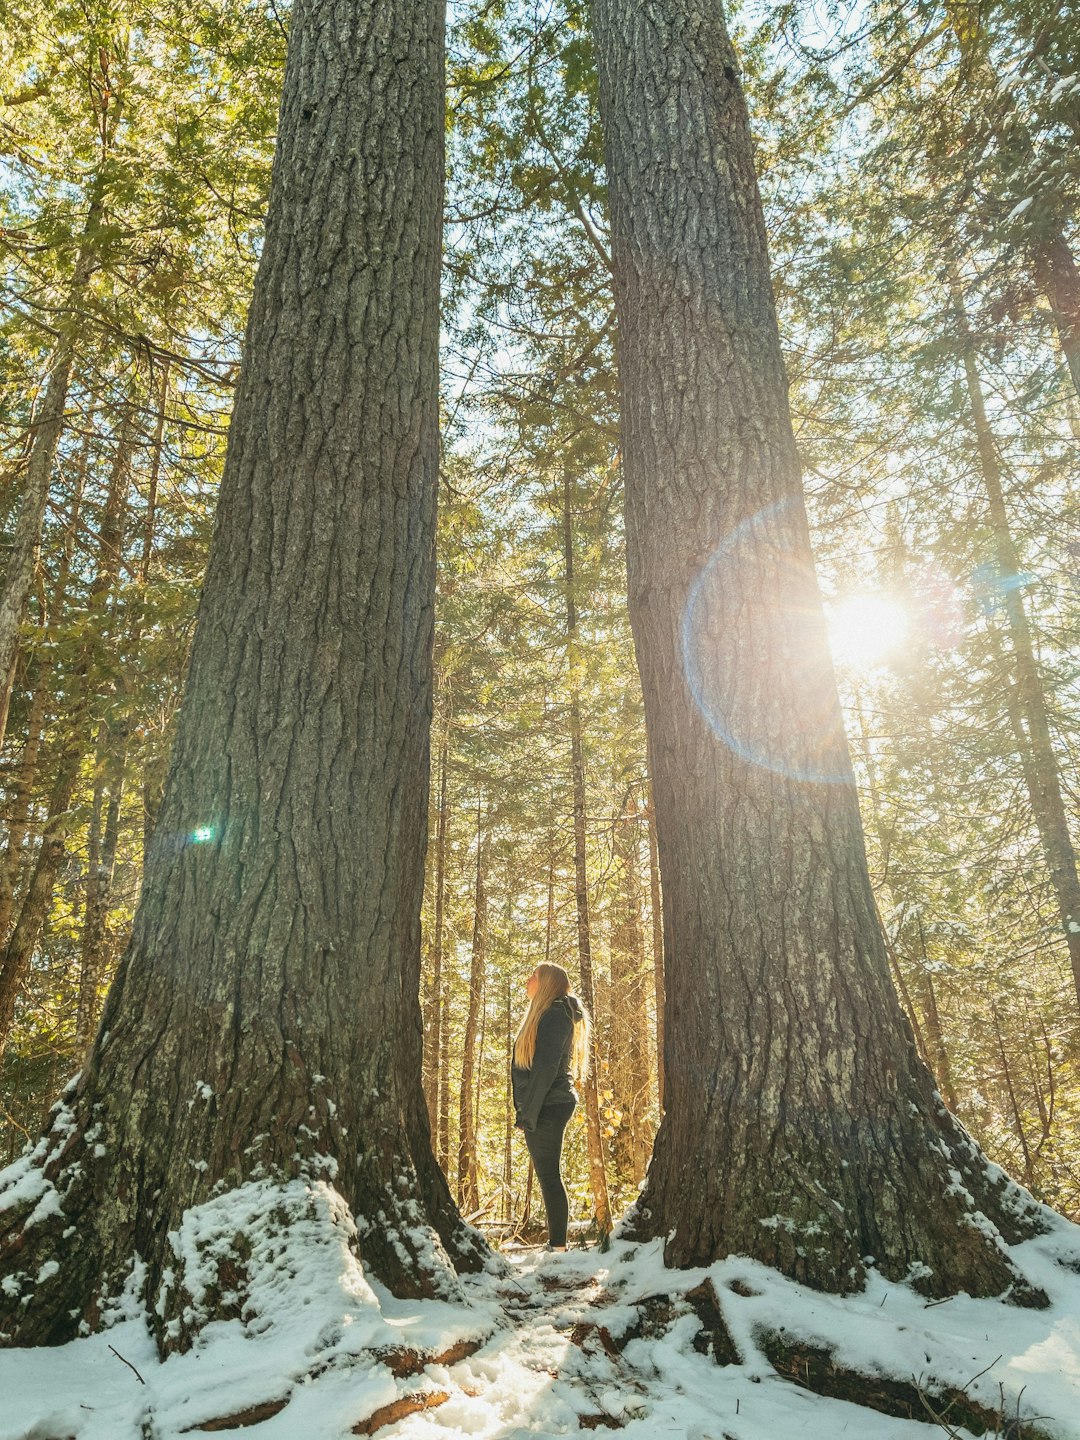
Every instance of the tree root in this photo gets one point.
(253, 1415)
(398, 1409)
(402, 1362)
(815, 1368)
(657, 1313)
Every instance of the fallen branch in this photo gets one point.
(129, 1365)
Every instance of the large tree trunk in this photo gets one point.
(265, 1019)
(801, 1127)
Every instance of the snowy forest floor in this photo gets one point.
(550, 1344)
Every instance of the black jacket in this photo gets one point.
(547, 1080)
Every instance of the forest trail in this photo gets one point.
(606, 1342)
(551, 1345)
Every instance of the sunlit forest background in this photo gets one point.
(920, 173)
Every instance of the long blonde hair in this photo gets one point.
(552, 983)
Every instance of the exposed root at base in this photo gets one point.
(404, 1362)
(253, 1415)
(815, 1369)
(398, 1409)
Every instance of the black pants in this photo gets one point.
(545, 1147)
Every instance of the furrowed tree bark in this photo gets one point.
(594, 1139)
(801, 1128)
(265, 1018)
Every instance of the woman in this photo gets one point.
(550, 1052)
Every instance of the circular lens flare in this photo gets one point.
(865, 631)
(754, 653)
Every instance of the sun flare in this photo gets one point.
(865, 630)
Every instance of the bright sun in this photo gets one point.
(864, 630)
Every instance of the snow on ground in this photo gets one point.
(317, 1327)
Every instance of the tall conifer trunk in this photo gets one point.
(111, 779)
(19, 817)
(433, 1018)
(594, 1140)
(628, 1073)
(1038, 758)
(1041, 235)
(265, 1019)
(111, 755)
(105, 92)
(656, 921)
(468, 1179)
(80, 689)
(801, 1127)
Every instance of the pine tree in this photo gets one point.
(265, 1019)
(800, 1127)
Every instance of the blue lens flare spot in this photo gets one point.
(202, 835)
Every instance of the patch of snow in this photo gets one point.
(313, 1324)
